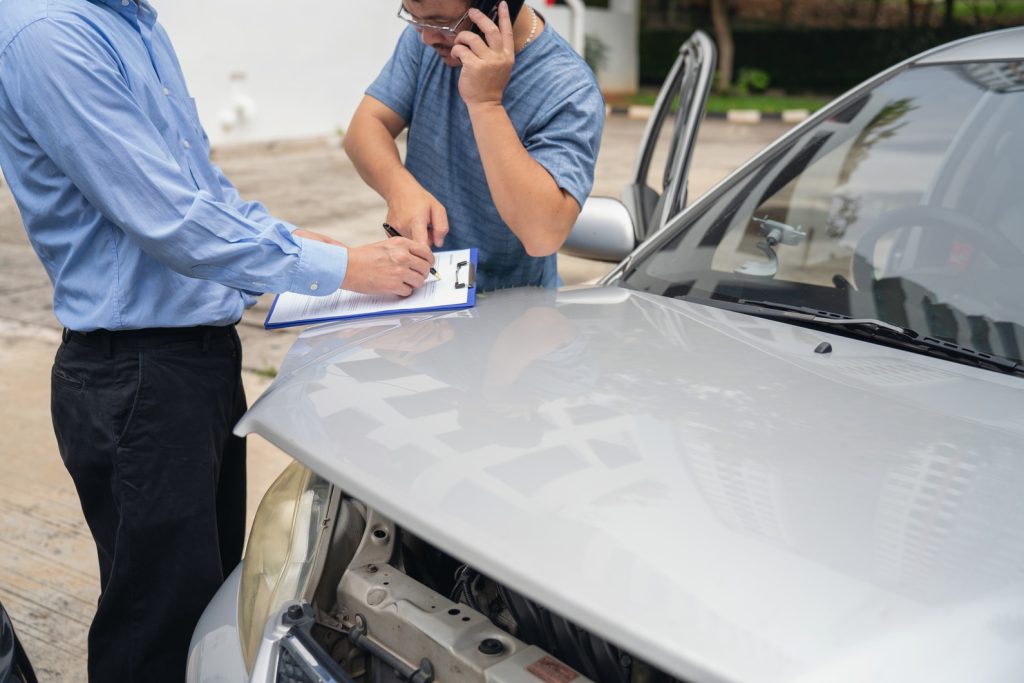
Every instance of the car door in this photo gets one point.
(681, 100)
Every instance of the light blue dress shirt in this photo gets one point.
(106, 158)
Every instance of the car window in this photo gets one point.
(904, 205)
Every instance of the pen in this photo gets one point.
(394, 233)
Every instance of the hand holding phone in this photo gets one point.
(486, 61)
(490, 9)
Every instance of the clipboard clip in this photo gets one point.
(470, 275)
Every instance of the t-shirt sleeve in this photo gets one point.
(567, 140)
(395, 86)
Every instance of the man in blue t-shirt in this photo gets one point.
(504, 132)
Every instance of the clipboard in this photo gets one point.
(455, 289)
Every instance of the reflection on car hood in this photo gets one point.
(696, 485)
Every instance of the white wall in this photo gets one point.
(303, 66)
(618, 28)
(271, 70)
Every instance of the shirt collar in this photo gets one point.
(133, 10)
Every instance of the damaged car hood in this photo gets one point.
(697, 486)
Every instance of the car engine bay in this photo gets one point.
(391, 608)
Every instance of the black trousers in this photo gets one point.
(143, 422)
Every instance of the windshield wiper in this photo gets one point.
(807, 314)
(902, 337)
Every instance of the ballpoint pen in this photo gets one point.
(394, 233)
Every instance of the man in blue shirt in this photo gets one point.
(504, 133)
(153, 257)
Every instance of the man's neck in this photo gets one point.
(524, 25)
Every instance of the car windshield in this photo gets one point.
(906, 205)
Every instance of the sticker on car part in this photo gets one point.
(550, 670)
(960, 255)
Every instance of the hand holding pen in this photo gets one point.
(392, 232)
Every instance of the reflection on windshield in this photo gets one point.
(910, 200)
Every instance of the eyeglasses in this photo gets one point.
(406, 16)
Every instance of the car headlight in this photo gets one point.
(280, 557)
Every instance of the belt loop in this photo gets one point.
(65, 335)
(107, 344)
(206, 338)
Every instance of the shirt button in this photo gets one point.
(314, 286)
(126, 2)
(185, 144)
(166, 91)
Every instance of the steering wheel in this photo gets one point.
(1003, 252)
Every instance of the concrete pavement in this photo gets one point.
(48, 568)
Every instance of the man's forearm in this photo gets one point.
(527, 197)
(374, 153)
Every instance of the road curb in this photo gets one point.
(737, 116)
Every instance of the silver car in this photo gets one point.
(782, 441)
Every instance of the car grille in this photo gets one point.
(301, 660)
(290, 671)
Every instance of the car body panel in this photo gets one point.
(14, 664)
(215, 653)
(1007, 44)
(698, 486)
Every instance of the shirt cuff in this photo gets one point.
(321, 268)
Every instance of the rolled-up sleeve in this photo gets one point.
(119, 161)
(567, 138)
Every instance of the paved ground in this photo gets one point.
(48, 570)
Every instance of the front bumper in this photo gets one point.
(215, 654)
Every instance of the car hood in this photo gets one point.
(696, 485)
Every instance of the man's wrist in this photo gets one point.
(487, 108)
(396, 182)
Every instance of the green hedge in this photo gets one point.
(800, 60)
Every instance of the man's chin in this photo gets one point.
(446, 57)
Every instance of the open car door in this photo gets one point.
(608, 230)
(681, 100)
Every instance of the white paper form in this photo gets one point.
(291, 308)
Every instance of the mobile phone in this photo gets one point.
(490, 8)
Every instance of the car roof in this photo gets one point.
(1007, 44)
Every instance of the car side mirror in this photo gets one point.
(603, 231)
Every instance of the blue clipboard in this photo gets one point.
(465, 279)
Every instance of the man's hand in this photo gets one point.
(394, 266)
(486, 66)
(317, 237)
(417, 214)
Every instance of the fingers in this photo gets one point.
(493, 35)
(472, 41)
(419, 231)
(414, 275)
(464, 54)
(505, 28)
(422, 253)
(418, 266)
(438, 224)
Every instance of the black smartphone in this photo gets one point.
(490, 8)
